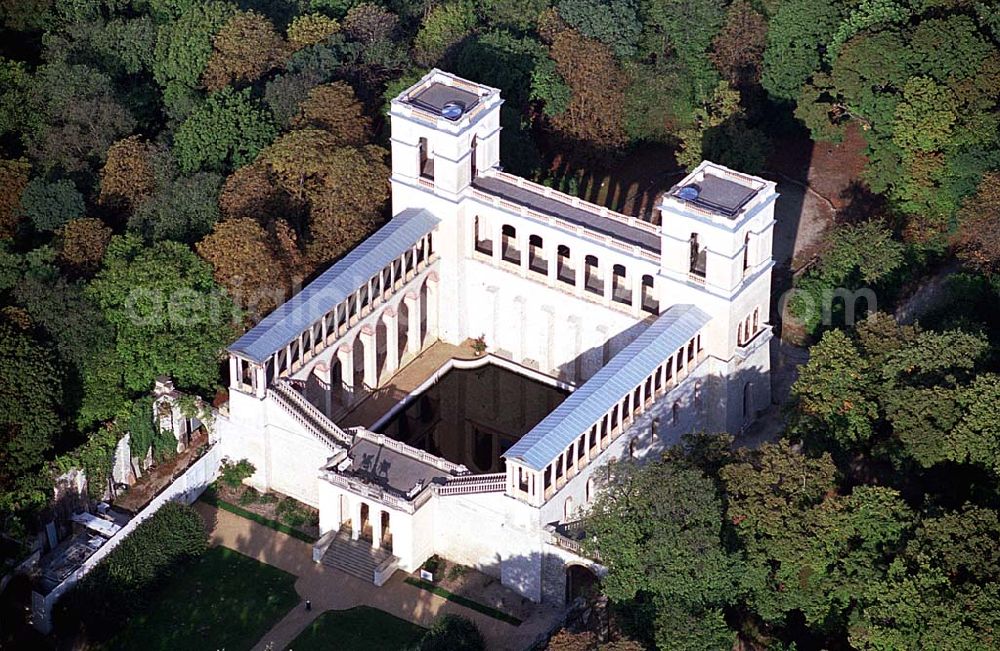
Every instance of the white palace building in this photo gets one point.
(607, 337)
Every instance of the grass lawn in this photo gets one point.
(223, 600)
(358, 629)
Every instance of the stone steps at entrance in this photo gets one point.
(355, 557)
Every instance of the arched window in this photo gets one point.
(536, 259)
(592, 280)
(508, 244)
(756, 325)
(483, 244)
(472, 157)
(425, 161)
(568, 510)
(590, 490)
(564, 271)
(620, 291)
(746, 253)
(648, 301)
(632, 447)
(675, 413)
(697, 395)
(698, 257)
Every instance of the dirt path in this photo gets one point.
(926, 296)
(330, 589)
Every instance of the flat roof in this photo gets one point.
(717, 189)
(549, 206)
(435, 95)
(390, 469)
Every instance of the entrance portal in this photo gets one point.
(580, 582)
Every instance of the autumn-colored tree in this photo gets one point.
(309, 29)
(252, 192)
(738, 50)
(369, 23)
(334, 108)
(335, 229)
(129, 176)
(13, 180)
(978, 238)
(248, 265)
(310, 165)
(82, 243)
(244, 49)
(595, 114)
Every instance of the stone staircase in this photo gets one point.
(357, 558)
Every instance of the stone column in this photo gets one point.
(524, 247)
(235, 379)
(367, 335)
(413, 343)
(391, 318)
(579, 271)
(432, 304)
(356, 519)
(260, 380)
(375, 514)
(497, 241)
(552, 264)
(609, 283)
(637, 294)
(346, 356)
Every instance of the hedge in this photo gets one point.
(464, 601)
(211, 497)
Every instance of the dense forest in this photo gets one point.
(170, 170)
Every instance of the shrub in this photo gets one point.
(292, 513)
(232, 474)
(452, 633)
(119, 585)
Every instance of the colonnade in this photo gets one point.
(537, 486)
(558, 263)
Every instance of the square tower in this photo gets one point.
(716, 253)
(445, 129)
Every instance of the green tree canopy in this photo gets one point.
(50, 204)
(169, 316)
(226, 132)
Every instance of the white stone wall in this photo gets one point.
(287, 458)
(562, 330)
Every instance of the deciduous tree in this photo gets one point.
(738, 49)
(369, 23)
(310, 29)
(246, 264)
(129, 175)
(335, 109)
(244, 48)
(169, 316)
(227, 132)
(444, 27)
(50, 204)
(978, 238)
(595, 113)
(184, 45)
(13, 179)
(82, 243)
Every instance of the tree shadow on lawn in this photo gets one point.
(220, 600)
(361, 628)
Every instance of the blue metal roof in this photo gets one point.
(336, 284)
(598, 395)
